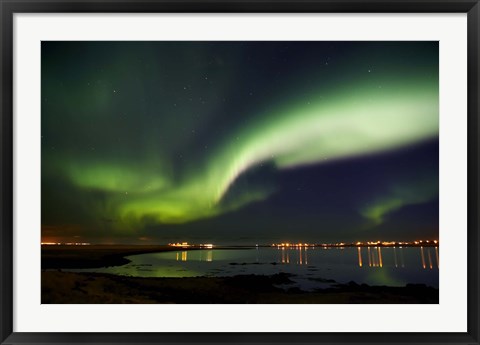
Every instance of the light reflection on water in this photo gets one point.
(392, 266)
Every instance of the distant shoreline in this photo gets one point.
(97, 256)
(106, 255)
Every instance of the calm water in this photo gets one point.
(311, 267)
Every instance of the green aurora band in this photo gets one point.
(424, 189)
(357, 119)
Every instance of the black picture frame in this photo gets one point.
(7, 10)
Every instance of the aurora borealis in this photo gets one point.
(239, 141)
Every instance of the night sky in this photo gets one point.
(239, 142)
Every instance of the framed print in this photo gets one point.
(244, 172)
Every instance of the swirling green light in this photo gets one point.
(358, 121)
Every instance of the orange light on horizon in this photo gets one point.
(65, 244)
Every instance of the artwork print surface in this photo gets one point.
(239, 172)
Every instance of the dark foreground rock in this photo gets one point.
(76, 288)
